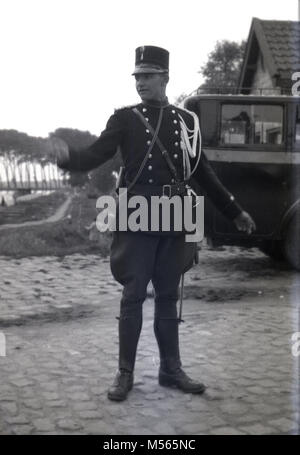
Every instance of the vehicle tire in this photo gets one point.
(274, 249)
(291, 245)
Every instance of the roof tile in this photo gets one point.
(283, 39)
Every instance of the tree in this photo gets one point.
(76, 139)
(223, 67)
(20, 152)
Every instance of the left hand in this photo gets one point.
(244, 222)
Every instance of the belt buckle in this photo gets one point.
(169, 189)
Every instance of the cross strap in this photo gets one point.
(155, 134)
(163, 150)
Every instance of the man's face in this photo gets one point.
(151, 86)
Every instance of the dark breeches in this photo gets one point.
(136, 258)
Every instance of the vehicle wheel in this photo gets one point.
(273, 248)
(291, 245)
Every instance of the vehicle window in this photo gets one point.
(251, 124)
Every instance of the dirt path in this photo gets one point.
(58, 215)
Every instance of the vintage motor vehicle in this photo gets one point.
(253, 144)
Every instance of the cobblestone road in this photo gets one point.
(61, 354)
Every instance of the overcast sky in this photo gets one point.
(68, 63)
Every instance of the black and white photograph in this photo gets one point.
(149, 220)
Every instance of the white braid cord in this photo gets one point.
(188, 149)
(185, 159)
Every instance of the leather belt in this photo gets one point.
(162, 190)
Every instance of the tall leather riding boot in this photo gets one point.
(129, 333)
(166, 333)
(170, 372)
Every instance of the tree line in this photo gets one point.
(25, 158)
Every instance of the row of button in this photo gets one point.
(149, 142)
(150, 156)
(176, 132)
(151, 181)
(145, 110)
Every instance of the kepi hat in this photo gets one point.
(151, 59)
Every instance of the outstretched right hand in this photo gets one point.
(61, 151)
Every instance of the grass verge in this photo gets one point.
(66, 236)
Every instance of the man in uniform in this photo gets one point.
(154, 170)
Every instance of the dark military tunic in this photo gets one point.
(137, 257)
(125, 129)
